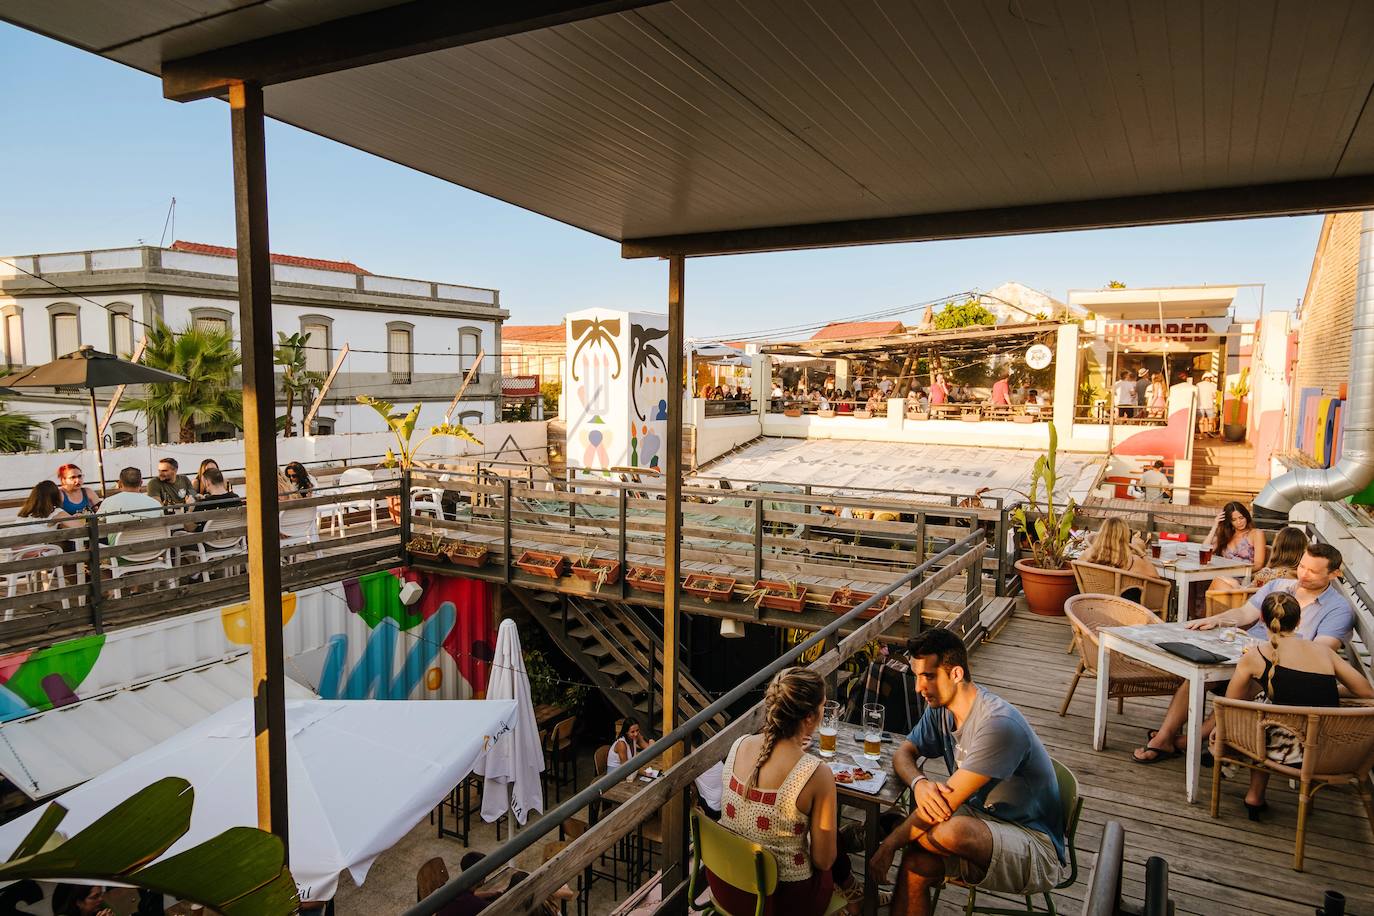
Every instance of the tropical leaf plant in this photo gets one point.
(402, 426)
(210, 394)
(16, 431)
(1047, 528)
(240, 872)
(296, 380)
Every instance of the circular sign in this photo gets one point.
(1039, 356)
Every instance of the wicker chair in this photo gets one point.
(1225, 599)
(1089, 613)
(1337, 743)
(1094, 578)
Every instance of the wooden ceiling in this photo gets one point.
(716, 126)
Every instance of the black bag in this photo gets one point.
(888, 681)
(1192, 653)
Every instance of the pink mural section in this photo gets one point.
(1169, 442)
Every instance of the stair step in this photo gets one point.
(613, 669)
(581, 631)
(597, 650)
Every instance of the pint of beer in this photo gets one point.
(874, 717)
(830, 727)
(873, 745)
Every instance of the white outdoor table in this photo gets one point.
(1179, 562)
(1141, 643)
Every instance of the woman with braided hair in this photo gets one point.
(780, 797)
(1289, 671)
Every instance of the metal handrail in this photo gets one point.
(550, 821)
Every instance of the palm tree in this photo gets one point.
(209, 396)
(296, 380)
(16, 431)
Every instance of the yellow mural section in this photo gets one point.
(234, 617)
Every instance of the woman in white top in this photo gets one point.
(629, 742)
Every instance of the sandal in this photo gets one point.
(1158, 752)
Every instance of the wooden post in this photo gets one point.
(324, 389)
(675, 812)
(119, 391)
(260, 454)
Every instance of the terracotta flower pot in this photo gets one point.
(1046, 589)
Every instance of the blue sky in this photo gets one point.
(92, 154)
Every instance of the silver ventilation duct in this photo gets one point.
(1355, 469)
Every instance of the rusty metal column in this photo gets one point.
(675, 811)
(260, 453)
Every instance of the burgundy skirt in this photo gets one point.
(810, 897)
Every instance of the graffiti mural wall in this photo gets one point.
(616, 389)
(351, 640)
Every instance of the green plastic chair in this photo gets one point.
(739, 863)
(1073, 806)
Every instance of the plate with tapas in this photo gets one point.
(853, 776)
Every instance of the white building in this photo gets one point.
(408, 340)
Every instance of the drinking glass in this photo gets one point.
(830, 727)
(1204, 555)
(1155, 549)
(874, 716)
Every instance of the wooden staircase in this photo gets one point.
(1223, 472)
(617, 651)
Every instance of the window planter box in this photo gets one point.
(431, 550)
(846, 599)
(917, 415)
(471, 555)
(779, 596)
(709, 588)
(645, 578)
(596, 571)
(863, 414)
(825, 413)
(538, 563)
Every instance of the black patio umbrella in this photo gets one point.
(90, 369)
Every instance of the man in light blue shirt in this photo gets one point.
(1327, 618)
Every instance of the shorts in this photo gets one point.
(1024, 861)
(1207, 412)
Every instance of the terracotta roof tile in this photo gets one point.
(533, 333)
(289, 260)
(838, 330)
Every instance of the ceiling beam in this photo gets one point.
(1294, 198)
(404, 30)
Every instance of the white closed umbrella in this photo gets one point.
(360, 775)
(513, 764)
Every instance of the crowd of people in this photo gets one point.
(1143, 393)
(917, 398)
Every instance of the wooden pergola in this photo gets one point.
(705, 127)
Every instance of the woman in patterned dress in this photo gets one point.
(780, 797)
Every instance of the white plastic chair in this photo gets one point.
(155, 557)
(353, 480)
(299, 525)
(33, 577)
(221, 547)
(428, 499)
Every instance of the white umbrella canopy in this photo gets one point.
(512, 765)
(361, 774)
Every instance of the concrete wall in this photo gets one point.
(717, 435)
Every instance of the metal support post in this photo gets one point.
(622, 498)
(405, 512)
(505, 528)
(758, 538)
(93, 580)
(675, 812)
(260, 454)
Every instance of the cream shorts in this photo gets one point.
(1024, 861)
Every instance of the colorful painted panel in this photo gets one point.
(616, 389)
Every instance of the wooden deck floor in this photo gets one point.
(1216, 866)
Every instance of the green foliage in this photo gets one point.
(296, 381)
(1238, 391)
(547, 687)
(1115, 284)
(402, 426)
(517, 412)
(210, 395)
(1046, 527)
(240, 872)
(550, 392)
(16, 431)
(969, 313)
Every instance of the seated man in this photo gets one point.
(1156, 483)
(1326, 618)
(997, 822)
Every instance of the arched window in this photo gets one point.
(122, 435)
(13, 332)
(122, 329)
(469, 345)
(470, 417)
(319, 354)
(322, 426)
(65, 321)
(209, 318)
(68, 435)
(399, 357)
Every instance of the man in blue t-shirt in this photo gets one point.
(997, 822)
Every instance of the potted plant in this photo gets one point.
(646, 578)
(827, 412)
(461, 553)
(863, 413)
(709, 588)
(844, 600)
(427, 547)
(1047, 530)
(780, 596)
(792, 409)
(1236, 393)
(589, 568)
(538, 563)
(402, 426)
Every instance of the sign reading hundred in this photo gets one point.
(1183, 330)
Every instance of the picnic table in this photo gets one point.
(849, 748)
(1179, 561)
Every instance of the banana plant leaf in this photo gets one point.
(240, 872)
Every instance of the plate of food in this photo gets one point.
(856, 776)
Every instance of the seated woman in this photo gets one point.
(876, 404)
(1235, 536)
(629, 742)
(299, 478)
(1289, 671)
(777, 795)
(1282, 562)
(42, 508)
(1112, 547)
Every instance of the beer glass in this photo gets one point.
(873, 730)
(830, 727)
